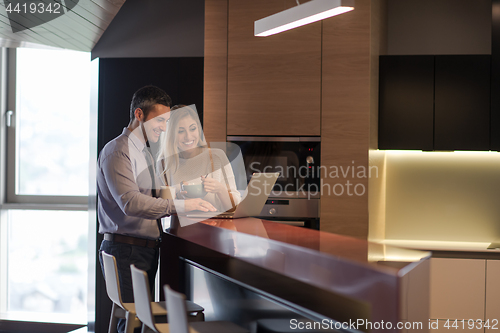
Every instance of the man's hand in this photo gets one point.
(198, 204)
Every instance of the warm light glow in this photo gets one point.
(437, 245)
(383, 252)
(303, 14)
(440, 153)
(306, 20)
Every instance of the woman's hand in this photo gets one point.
(211, 185)
(181, 194)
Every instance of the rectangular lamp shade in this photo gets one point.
(303, 14)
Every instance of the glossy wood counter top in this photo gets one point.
(346, 266)
(294, 239)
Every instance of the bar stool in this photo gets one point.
(121, 310)
(142, 299)
(176, 302)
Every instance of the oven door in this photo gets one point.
(295, 158)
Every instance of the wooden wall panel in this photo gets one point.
(215, 81)
(378, 46)
(376, 184)
(314, 80)
(274, 82)
(345, 127)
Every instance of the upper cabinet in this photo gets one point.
(462, 102)
(435, 102)
(406, 104)
(273, 83)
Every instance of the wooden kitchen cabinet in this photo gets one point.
(465, 289)
(434, 102)
(493, 294)
(457, 288)
(273, 83)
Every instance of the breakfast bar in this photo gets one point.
(252, 271)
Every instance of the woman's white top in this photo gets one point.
(191, 169)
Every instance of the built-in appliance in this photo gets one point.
(295, 198)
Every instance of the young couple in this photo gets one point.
(128, 179)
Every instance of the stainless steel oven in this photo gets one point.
(295, 198)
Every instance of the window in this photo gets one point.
(44, 216)
(47, 264)
(51, 126)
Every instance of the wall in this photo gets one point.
(376, 183)
(215, 70)
(181, 78)
(154, 28)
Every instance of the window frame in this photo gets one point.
(22, 201)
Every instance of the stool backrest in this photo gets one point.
(176, 311)
(142, 297)
(111, 278)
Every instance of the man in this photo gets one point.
(126, 182)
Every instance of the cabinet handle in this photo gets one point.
(8, 118)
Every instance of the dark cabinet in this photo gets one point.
(462, 102)
(406, 109)
(435, 102)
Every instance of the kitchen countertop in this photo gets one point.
(367, 272)
(291, 237)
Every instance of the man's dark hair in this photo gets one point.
(146, 97)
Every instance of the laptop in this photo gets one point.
(258, 190)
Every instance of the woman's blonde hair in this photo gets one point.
(169, 143)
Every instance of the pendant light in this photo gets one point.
(312, 11)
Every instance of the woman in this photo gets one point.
(185, 157)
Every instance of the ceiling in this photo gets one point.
(78, 29)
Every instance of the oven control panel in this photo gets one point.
(291, 208)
